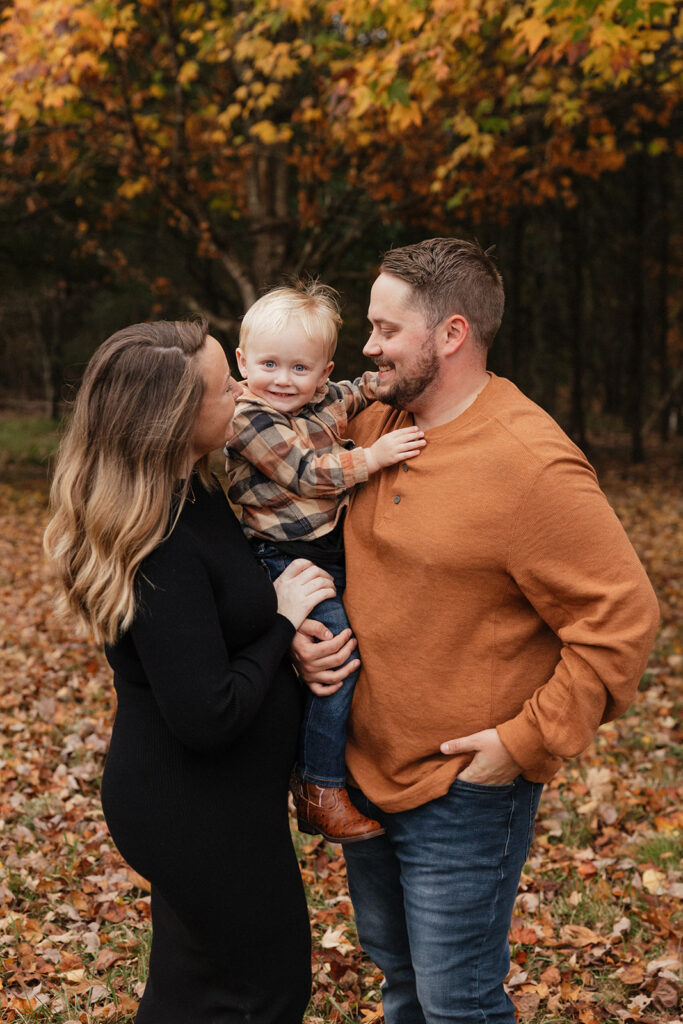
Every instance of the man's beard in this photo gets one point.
(401, 393)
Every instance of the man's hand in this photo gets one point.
(491, 765)
(319, 657)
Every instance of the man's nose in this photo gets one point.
(371, 347)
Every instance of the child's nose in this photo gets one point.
(282, 375)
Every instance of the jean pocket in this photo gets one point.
(482, 787)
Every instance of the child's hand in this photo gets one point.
(394, 447)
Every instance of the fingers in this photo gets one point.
(461, 745)
(407, 438)
(330, 655)
(405, 443)
(320, 690)
(324, 662)
(294, 568)
(301, 567)
(315, 629)
(410, 453)
(319, 592)
(333, 651)
(324, 681)
(408, 433)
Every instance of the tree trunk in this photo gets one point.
(573, 245)
(515, 329)
(268, 216)
(638, 341)
(663, 298)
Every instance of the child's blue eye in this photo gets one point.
(269, 363)
(300, 368)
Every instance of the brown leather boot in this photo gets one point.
(329, 811)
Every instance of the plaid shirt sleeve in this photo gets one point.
(357, 394)
(292, 460)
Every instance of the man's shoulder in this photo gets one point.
(528, 427)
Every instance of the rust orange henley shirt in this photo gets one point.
(489, 584)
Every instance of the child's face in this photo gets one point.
(285, 369)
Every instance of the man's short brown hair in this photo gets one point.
(449, 276)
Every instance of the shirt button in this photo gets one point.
(397, 498)
(405, 467)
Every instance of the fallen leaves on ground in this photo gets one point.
(597, 930)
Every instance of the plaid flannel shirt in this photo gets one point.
(290, 475)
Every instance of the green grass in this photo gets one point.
(663, 850)
(27, 439)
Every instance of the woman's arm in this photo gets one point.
(206, 697)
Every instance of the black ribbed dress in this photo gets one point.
(195, 782)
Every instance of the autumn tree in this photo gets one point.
(273, 134)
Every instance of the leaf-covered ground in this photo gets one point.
(596, 936)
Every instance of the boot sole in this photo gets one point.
(312, 831)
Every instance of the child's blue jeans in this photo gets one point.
(322, 739)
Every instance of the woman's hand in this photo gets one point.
(300, 588)
(320, 657)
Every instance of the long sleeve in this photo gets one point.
(270, 444)
(572, 560)
(356, 394)
(206, 697)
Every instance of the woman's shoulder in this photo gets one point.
(205, 516)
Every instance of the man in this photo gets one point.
(501, 614)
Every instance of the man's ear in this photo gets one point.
(457, 331)
(241, 362)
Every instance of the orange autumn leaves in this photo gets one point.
(275, 128)
(596, 934)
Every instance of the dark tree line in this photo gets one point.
(592, 328)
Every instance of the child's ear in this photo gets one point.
(241, 362)
(326, 373)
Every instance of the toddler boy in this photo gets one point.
(290, 471)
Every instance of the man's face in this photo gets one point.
(401, 344)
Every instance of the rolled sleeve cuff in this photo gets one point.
(357, 466)
(524, 743)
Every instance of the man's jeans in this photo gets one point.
(434, 896)
(322, 739)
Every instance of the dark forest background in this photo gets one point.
(145, 176)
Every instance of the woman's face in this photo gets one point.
(214, 422)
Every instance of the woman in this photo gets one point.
(151, 559)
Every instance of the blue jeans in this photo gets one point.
(322, 738)
(434, 896)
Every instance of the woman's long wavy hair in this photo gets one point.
(121, 475)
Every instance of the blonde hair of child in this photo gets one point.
(310, 304)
